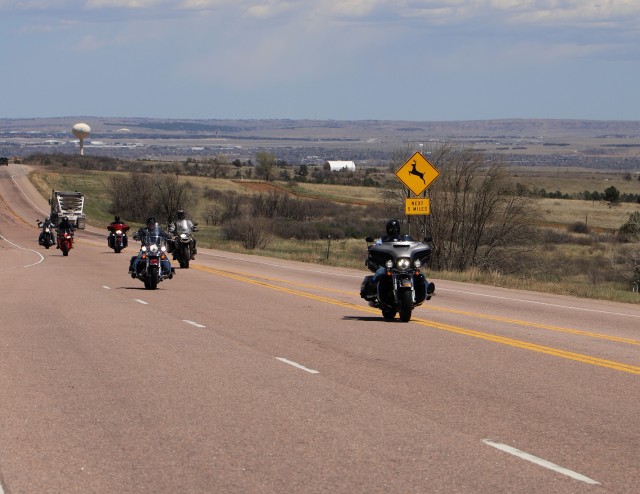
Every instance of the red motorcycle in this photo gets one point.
(65, 241)
(117, 239)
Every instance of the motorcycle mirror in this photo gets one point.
(369, 239)
(428, 238)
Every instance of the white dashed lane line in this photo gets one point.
(289, 362)
(539, 461)
(193, 323)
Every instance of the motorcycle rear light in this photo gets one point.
(153, 261)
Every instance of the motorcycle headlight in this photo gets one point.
(144, 248)
(404, 263)
(163, 248)
(118, 232)
(417, 264)
(389, 264)
(183, 236)
(153, 248)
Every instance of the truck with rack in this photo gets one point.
(69, 204)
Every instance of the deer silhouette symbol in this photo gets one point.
(415, 172)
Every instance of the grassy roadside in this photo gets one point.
(350, 253)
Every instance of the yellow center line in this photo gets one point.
(476, 315)
(588, 359)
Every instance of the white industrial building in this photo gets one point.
(335, 166)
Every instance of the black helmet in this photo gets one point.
(117, 219)
(180, 214)
(151, 221)
(393, 228)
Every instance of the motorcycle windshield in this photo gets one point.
(182, 226)
(154, 237)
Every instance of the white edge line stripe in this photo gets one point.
(24, 248)
(539, 461)
(310, 371)
(585, 309)
(13, 177)
(193, 323)
(140, 301)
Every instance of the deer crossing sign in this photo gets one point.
(417, 173)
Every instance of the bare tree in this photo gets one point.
(131, 195)
(218, 166)
(476, 219)
(171, 194)
(266, 166)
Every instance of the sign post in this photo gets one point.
(417, 174)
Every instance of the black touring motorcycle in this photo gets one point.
(397, 285)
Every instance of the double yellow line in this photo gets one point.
(609, 364)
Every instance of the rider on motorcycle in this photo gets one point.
(116, 225)
(191, 227)
(393, 235)
(65, 226)
(44, 225)
(140, 235)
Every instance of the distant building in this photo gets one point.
(335, 166)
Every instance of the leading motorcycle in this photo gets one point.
(183, 251)
(397, 286)
(152, 265)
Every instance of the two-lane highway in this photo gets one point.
(248, 374)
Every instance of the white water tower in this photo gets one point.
(81, 131)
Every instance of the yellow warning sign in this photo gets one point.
(417, 173)
(417, 206)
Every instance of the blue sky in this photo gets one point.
(428, 60)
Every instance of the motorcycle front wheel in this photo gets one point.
(152, 278)
(406, 305)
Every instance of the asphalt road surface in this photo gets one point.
(246, 374)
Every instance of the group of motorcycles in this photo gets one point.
(153, 265)
(397, 287)
(63, 240)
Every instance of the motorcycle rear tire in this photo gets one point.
(388, 314)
